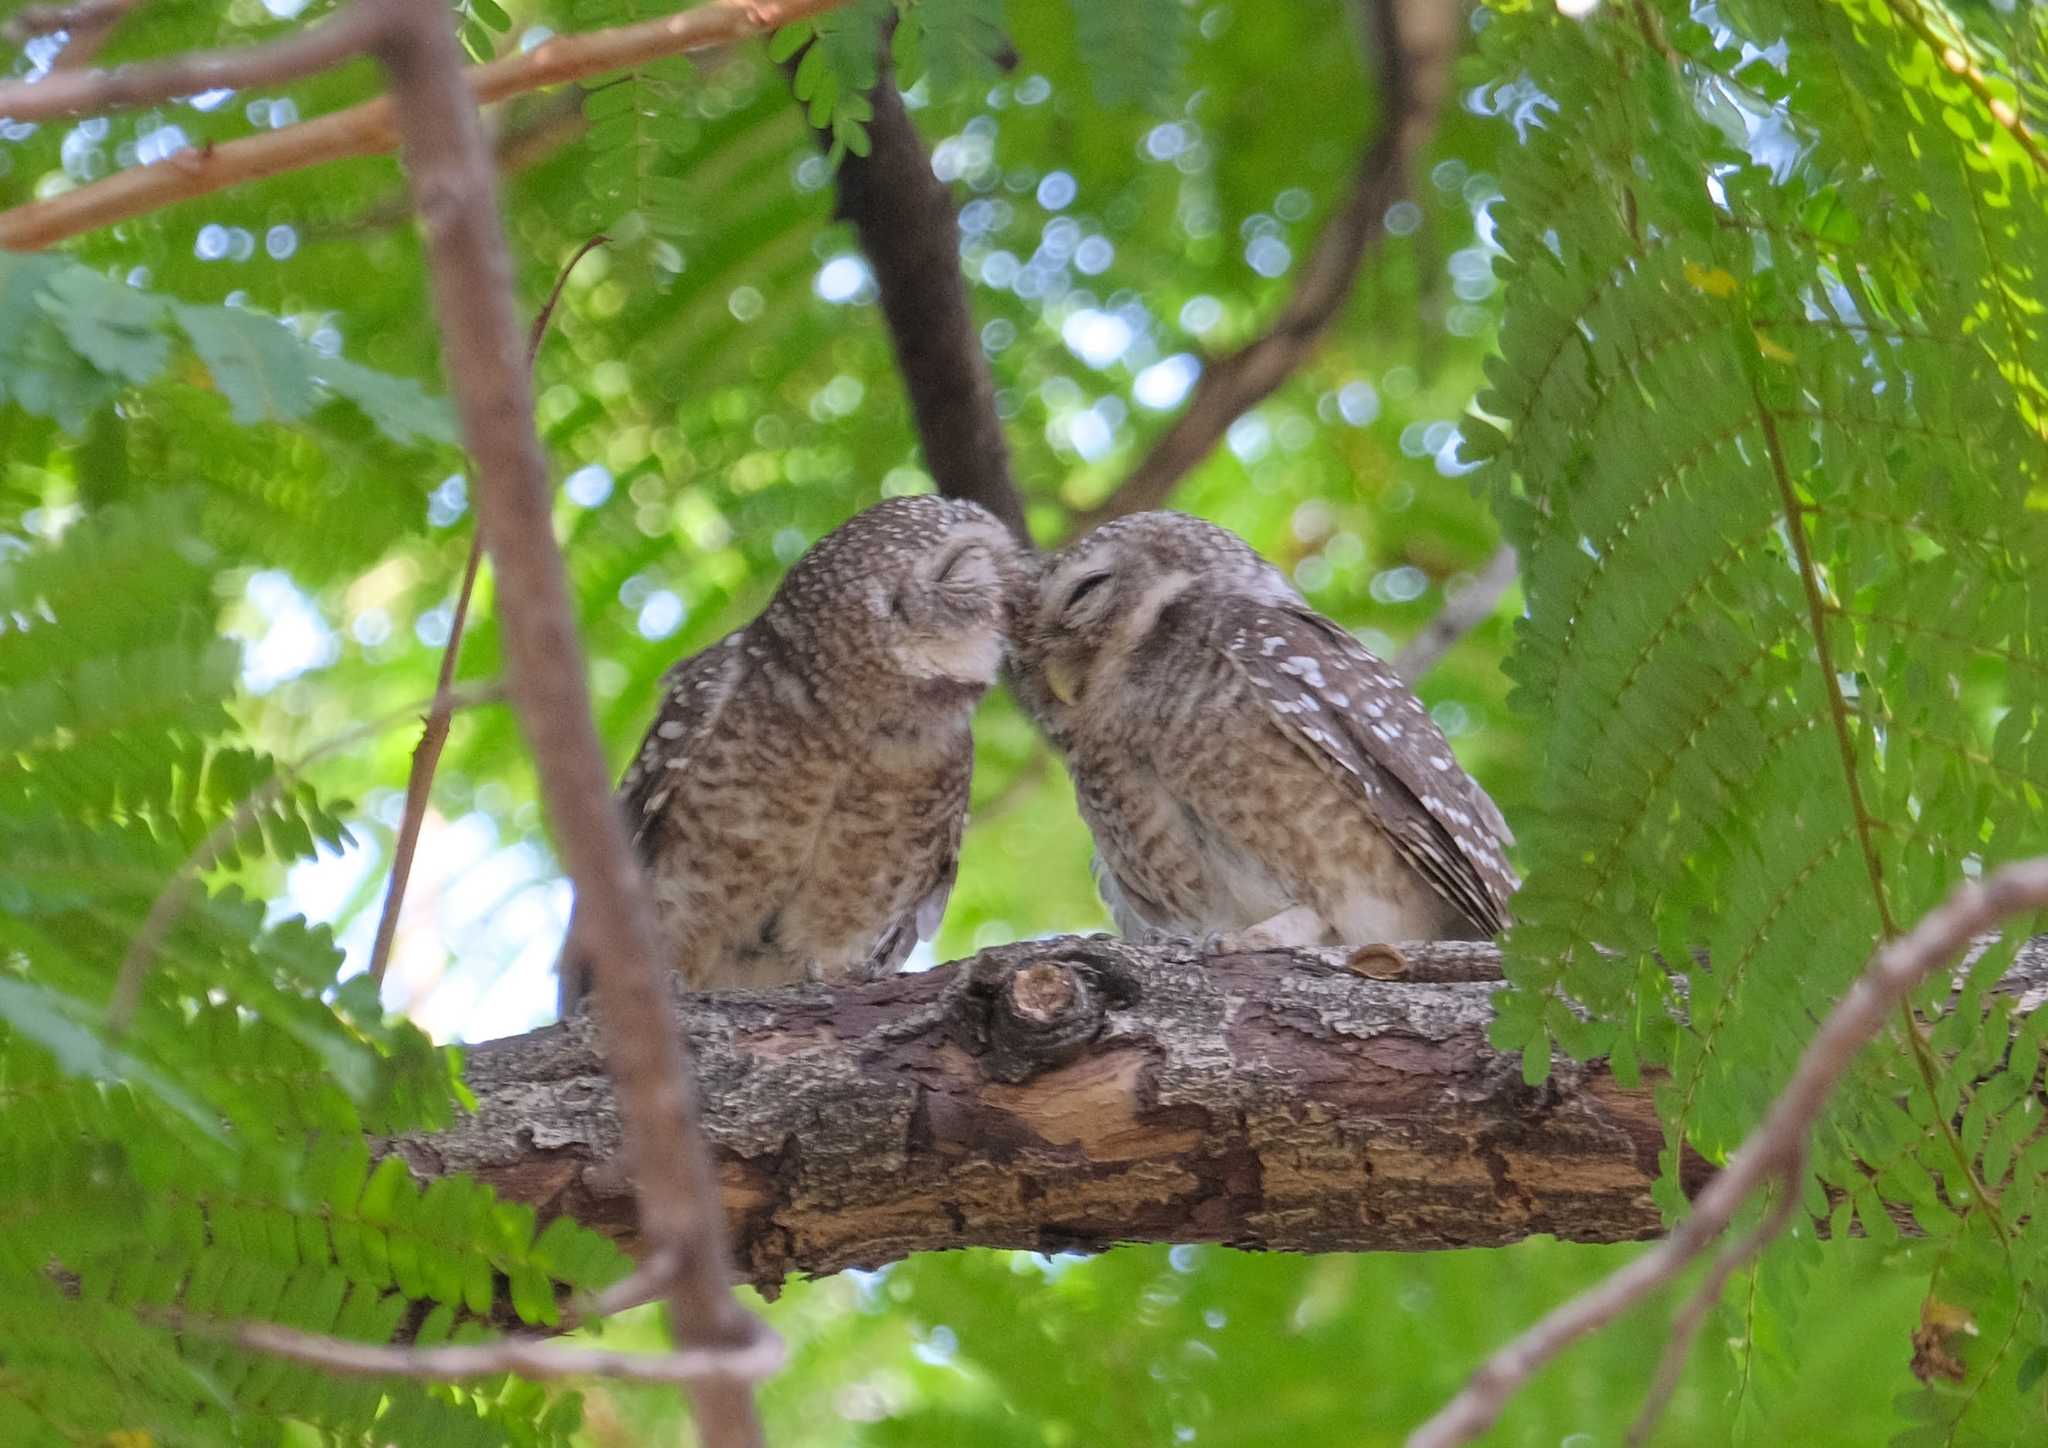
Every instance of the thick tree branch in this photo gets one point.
(127, 87)
(369, 129)
(1774, 1152)
(1415, 42)
(908, 229)
(455, 187)
(1077, 1093)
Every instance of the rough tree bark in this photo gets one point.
(1075, 1093)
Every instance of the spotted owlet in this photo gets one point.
(1253, 776)
(798, 802)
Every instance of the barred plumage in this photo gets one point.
(1246, 766)
(799, 799)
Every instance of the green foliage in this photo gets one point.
(1134, 50)
(1862, 274)
(1772, 450)
(72, 338)
(204, 1162)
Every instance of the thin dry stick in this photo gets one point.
(426, 756)
(537, 1361)
(1462, 612)
(369, 129)
(128, 87)
(456, 189)
(1416, 41)
(176, 895)
(1773, 1150)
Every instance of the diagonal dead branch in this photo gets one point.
(1415, 41)
(1462, 612)
(426, 756)
(127, 87)
(1773, 1149)
(456, 189)
(370, 129)
(910, 233)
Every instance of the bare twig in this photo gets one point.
(126, 87)
(1416, 41)
(1774, 1150)
(369, 129)
(910, 232)
(1462, 612)
(426, 756)
(762, 1357)
(176, 895)
(456, 190)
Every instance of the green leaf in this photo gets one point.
(255, 360)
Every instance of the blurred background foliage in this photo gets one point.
(716, 392)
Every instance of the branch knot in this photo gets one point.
(1024, 1011)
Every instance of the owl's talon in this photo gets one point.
(1377, 962)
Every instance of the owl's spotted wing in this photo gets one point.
(694, 694)
(1369, 732)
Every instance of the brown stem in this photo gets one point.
(128, 87)
(426, 755)
(455, 187)
(369, 129)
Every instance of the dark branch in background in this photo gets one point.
(910, 233)
(126, 87)
(455, 187)
(1072, 1094)
(176, 895)
(368, 129)
(1462, 612)
(426, 756)
(1774, 1153)
(1415, 42)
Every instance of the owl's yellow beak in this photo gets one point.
(1064, 681)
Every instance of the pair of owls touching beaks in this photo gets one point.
(1252, 775)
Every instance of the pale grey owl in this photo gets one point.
(798, 802)
(1253, 775)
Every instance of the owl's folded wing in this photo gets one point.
(1370, 733)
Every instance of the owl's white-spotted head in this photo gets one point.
(913, 588)
(1094, 602)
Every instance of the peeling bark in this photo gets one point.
(1074, 1093)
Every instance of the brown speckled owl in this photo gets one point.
(799, 800)
(1253, 776)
